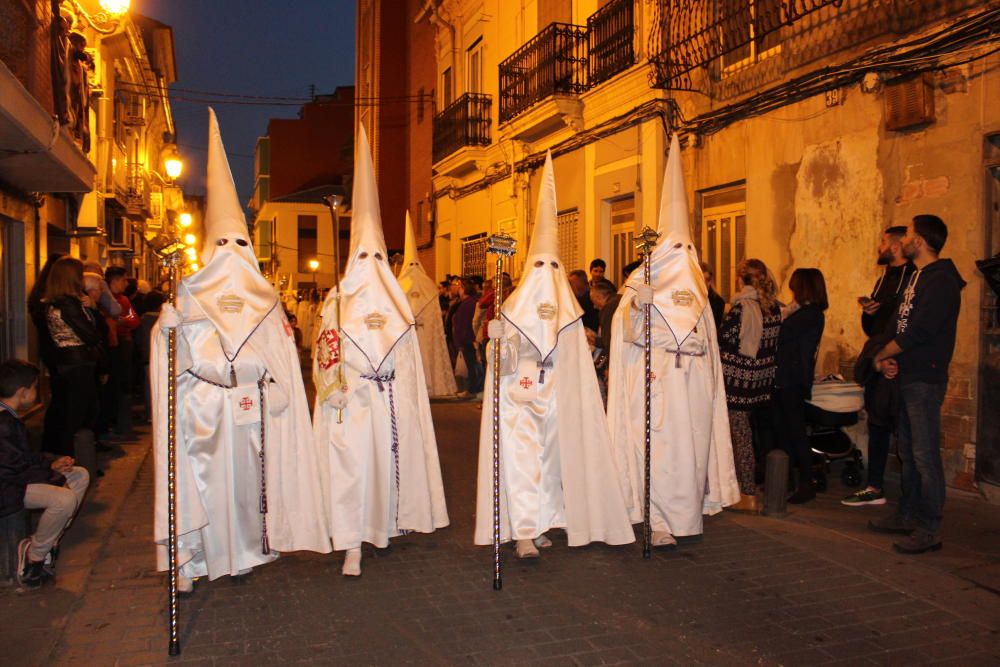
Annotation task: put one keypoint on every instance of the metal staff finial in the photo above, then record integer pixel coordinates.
(502, 246)
(171, 255)
(334, 202)
(646, 241)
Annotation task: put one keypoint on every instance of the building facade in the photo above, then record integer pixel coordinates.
(807, 128)
(85, 131)
(298, 163)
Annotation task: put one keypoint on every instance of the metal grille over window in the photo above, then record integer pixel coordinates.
(622, 236)
(474, 255)
(570, 237)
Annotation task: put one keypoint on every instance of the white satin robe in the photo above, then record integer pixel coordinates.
(307, 314)
(692, 471)
(439, 374)
(360, 464)
(219, 524)
(556, 467)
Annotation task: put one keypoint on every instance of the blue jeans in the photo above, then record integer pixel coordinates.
(919, 441)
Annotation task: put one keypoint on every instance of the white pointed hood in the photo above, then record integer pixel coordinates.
(680, 294)
(418, 287)
(374, 309)
(229, 288)
(543, 303)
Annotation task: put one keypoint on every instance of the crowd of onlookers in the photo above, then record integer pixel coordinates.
(93, 327)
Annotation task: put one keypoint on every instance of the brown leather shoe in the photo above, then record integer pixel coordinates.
(918, 542)
(746, 504)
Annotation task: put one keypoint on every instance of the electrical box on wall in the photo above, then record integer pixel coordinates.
(909, 102)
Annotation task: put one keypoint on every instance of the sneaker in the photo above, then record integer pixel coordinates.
(918, 542)
(868, 496)
(29, 575)
(49, 564)
(893, 524)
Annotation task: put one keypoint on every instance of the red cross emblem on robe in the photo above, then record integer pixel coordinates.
(525, 382)
(246, 404)
(328, 349)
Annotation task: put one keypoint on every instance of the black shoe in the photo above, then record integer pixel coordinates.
(49, 564)
(918, 542)
(892, 524)
(29, 575)
(802, 496)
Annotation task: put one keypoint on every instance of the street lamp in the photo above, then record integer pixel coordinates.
(115, 7)
(185, 220)
(173, 166)
(190, 239)
(191, 253)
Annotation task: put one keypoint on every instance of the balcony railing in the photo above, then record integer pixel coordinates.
(554, 61)
(610, 33)
(464, 122)
(694, 33)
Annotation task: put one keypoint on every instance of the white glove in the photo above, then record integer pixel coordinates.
(277, 399)
(495, 329)
(644, 295)
(337, 400)
(169, 317)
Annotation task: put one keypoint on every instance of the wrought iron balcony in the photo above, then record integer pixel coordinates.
(694, 33)
(554, 61)
(464, 122)
(610, 34)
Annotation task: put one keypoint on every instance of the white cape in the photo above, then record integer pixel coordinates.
(692, 470)
(556, 466)
(218, 477)
(365, 504)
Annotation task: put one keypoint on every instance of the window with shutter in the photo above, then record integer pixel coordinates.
(720, 235)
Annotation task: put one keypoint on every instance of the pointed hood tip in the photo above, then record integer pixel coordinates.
(673, 220)
(366, 216)
(224, 215)
(545, 236)
(410, 252)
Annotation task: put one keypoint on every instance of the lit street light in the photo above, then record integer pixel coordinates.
(190, 239)
(185, 220)
(115, 7)
(174, 167)
(314, 267)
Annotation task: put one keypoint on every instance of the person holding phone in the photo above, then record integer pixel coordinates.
(878, 317)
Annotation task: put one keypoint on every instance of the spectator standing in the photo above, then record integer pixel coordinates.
(78, 355)
(598, 267)
(919, 355)
(581, 288)
(801, 330)
(715, 300)
(122, 355)
(29, 480)
(748, 338)
(465, 339)
(153, 303)
(605, 298)
(454, 299)
(878, 317)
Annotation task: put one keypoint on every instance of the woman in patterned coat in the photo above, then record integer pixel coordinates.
(747, 342)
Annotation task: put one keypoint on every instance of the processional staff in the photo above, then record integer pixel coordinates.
(333, 202)
(502, 246)
(171, 254)
(645, 244)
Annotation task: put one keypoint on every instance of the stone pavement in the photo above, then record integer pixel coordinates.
(812, 588)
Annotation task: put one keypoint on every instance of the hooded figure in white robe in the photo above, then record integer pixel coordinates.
(556, 468)
(384, 474)
(692, 469)
(247, 475)
(422, 293)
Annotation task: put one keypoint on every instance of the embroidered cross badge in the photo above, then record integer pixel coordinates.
(652, 377)
(525, 382)
(328, 349)
(246, 403)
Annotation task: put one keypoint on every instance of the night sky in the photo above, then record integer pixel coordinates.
(249, 47)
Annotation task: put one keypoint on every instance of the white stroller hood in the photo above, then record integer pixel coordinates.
(834, 394)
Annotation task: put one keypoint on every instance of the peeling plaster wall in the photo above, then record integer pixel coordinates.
(838, 220)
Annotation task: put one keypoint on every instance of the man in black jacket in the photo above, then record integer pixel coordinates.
(33, 481)
(878, 318)
(919, 356)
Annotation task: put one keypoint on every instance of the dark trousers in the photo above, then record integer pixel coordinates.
(122, 370)
(919, 440)
(73, 407)
(878, 453)
(790, 411)
(474, 381)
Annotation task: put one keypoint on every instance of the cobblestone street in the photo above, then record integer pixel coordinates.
(808, 589)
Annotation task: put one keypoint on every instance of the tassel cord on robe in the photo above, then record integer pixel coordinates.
(265, 545)
(385, 381)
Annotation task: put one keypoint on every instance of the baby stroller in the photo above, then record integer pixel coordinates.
(835, 403)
